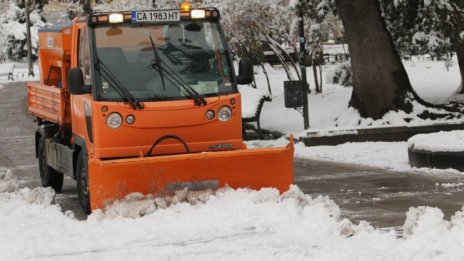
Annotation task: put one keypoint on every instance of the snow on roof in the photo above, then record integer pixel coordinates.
(56, 27)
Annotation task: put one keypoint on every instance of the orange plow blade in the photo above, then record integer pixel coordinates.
(111, 180)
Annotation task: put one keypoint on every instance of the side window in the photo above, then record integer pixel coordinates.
(84, 55)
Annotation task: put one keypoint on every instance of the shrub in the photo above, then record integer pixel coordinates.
(341, 75)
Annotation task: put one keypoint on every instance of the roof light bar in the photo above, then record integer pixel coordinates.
(116, 18)
(198, 14)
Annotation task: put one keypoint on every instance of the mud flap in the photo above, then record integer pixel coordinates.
(111, 180)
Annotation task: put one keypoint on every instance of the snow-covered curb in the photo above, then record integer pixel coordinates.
(449, 141)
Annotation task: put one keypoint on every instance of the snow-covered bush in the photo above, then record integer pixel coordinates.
(315, 14)
(13, 33)
(425, 27)
(246, 24)
(341, 74)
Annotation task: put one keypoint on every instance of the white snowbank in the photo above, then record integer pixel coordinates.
(444, 141)
(387, 155)
(9, 190)
(230, 225)
(451, 185)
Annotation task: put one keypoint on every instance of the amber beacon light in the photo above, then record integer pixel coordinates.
(185, 6)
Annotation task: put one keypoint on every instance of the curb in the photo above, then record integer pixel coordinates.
(439, 160)
(386, 134)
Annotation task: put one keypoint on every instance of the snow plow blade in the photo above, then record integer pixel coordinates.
(111, 180)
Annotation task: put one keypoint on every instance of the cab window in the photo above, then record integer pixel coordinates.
(84, 55)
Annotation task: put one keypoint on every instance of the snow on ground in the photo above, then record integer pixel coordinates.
(444, 141)
(387, 155)
(229, 225)
(431, 80)
(19, 70)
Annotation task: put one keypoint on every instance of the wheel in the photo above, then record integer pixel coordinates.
(48, 176)
(82, 177)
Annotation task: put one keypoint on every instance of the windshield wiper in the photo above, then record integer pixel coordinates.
(156, 64)
(159, 65)
(117, 85)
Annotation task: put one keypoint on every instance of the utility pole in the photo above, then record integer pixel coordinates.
(304, 83)
(28, 37)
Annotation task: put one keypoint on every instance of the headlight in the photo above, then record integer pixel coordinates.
(114, 120)
(225, 113)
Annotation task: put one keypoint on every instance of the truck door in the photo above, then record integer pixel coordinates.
(81, 105)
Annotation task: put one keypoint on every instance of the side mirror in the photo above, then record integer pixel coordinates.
(245, 71)
(76, 84)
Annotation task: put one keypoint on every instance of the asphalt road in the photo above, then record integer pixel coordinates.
(379, 196)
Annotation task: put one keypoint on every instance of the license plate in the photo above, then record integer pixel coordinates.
(155, 16)
(194, 185)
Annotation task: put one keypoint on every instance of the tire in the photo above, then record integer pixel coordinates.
(82, 178)
(48, 176)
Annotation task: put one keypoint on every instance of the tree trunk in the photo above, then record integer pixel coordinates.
(380, 82)
(28, 38)
(460, 55)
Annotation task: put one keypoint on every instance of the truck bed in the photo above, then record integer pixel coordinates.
(49, 103)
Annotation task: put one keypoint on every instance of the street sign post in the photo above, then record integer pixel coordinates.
(302, 56)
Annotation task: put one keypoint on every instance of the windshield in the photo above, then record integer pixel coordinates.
(191, 50)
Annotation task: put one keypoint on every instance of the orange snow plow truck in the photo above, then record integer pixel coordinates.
(145, 101)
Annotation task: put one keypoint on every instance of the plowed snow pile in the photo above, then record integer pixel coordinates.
(224, 225)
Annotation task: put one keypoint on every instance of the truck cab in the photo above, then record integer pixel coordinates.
(149, 75)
